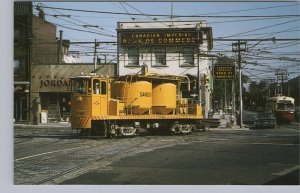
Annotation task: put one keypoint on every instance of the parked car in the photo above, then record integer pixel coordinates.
(248, 118)
(265, 120)
(259, 109)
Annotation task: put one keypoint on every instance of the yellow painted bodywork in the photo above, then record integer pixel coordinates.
(80, 109)
(130, 102)
(137, 96)
(116, 108)
(164, 98)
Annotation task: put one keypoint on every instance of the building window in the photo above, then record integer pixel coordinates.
(17, 36)
(17, 67)
(186, 56)
(145, 55)
(133, 56)
(160, 56)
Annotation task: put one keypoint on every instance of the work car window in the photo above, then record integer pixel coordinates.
(81, 86)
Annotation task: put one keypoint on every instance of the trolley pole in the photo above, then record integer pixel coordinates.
(238, 49)
(95, 56)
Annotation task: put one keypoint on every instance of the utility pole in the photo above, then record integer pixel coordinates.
(233, 98)
(282, 75)
(225, 96)
(199, 79)
(198, 67)
(236, 47)
(59, 46)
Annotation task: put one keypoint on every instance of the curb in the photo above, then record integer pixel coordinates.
(44, 125)
(229, 129)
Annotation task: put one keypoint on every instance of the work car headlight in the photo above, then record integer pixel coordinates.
(79, 99)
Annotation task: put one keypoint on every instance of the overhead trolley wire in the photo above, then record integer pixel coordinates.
(70, 17)
(128, 13)
(278, 32)
(246, 20)
(289, 44)
(83, 30)
(174, 16)
(155, 19)
(253, 9)
(257, 29)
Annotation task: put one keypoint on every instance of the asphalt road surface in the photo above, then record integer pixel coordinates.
(216, 157)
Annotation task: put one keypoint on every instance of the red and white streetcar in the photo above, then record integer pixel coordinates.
(283, 108)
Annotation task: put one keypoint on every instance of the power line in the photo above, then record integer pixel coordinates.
(289, 45)
(277, 32)
(69, 16)
(155, 19)
(253, 9)
(245, 20)
(84, 30)
(241, 33)
(127, 12)
(164, 15)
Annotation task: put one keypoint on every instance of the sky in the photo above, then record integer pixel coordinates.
(233, 20)
(268, 59)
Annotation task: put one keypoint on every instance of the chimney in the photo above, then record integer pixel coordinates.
(40, 9)
(41, 15)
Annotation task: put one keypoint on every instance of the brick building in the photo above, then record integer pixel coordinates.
(44, 45)
(41, 77)
(34, 43)
(22, 59)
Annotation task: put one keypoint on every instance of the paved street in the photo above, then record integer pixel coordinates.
(217, 157)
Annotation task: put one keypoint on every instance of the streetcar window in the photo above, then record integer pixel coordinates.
(289, 107)
(81, 86)
(96, 86)
(103, 87)
(282, 106)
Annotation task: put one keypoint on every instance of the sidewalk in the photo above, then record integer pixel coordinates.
(233, 128)
(225, 123)
(43, 125)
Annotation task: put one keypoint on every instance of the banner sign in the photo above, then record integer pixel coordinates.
(224, 72)
(170, 37)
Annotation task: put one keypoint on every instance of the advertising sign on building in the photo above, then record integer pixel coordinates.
(159, 37)
(224, 72)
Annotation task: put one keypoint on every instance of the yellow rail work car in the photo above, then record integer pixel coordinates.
(123, 105)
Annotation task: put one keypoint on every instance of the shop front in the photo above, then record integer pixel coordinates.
(51, 91)
(21, 93)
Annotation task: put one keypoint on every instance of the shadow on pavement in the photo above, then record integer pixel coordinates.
(291, 178)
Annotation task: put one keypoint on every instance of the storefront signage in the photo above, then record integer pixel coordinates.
(158, 38)
(225, 72)
(54, 83)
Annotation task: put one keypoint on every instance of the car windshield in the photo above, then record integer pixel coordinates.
(265, 115)
(250, 116)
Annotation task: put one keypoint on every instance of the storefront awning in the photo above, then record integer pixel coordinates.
(21, 83)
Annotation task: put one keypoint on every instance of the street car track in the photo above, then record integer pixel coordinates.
(86, 166)
(117, 147)
(58, 153)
